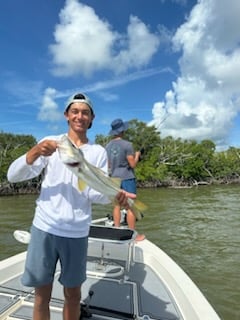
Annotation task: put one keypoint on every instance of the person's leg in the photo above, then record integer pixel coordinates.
(39, 271)
(73, 258)
(116, 216)
(130, 186)
(131, 220)
(41, 303)
(71, 309)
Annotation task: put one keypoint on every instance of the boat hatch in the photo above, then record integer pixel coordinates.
(25, 312)
(110, 297)
(7, 302)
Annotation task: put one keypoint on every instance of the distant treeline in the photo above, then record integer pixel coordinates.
(165, 162)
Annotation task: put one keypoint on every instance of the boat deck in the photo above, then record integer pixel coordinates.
(102, 297)
(118, 285)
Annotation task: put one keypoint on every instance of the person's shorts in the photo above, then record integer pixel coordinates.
(129, 185)
(45, 250)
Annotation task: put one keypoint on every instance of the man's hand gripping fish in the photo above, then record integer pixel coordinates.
(92, 176)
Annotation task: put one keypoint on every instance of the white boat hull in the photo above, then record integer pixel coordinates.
(125, 280)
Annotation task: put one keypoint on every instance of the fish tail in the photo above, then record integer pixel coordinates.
(138, 207)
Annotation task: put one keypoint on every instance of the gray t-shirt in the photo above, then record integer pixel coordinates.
(117, 151)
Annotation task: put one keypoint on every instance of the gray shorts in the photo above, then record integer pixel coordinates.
(45, 250)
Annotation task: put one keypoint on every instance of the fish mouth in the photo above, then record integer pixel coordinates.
(73, 164)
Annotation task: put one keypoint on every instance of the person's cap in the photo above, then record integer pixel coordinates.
(79, 97)
(118, 126)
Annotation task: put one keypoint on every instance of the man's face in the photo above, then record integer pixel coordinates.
(79, 116)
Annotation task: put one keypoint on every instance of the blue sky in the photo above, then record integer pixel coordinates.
(174, 64)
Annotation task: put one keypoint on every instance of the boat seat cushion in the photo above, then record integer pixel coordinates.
(109, 233)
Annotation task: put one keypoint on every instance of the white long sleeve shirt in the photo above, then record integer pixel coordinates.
(61, 209)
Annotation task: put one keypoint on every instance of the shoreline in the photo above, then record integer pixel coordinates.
(9, 189)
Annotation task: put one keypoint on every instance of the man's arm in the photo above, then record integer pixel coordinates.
(30, 165)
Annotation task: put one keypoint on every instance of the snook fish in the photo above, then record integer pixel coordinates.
(89, 175)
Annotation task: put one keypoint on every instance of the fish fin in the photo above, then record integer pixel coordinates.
(81, 184)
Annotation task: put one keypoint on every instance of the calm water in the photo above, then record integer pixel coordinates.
(199, 228)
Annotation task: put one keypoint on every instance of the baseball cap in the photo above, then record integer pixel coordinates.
(79, 97)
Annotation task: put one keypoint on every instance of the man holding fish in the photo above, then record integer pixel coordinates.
(63, 209)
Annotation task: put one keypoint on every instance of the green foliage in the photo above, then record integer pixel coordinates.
(11, 147)
(167, 159)
(226, 165)
(164, 160)
(142, 136)
(102, 140)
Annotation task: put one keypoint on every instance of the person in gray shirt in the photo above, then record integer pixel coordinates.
(121, 161)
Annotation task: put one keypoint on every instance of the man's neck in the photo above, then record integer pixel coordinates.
(119, 136)
(78, 139)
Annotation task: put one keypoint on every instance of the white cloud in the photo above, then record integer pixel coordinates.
(139, 47)
(49, 108)
(85, 44)
(204, 100)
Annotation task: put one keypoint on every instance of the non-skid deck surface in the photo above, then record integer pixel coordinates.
(153, 299)
(116, 288)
